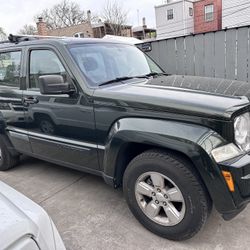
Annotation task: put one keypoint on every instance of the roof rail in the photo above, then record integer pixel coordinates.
(5, 41)
(21, 38)
(38, 36)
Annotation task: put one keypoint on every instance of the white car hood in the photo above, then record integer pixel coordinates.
(20, 217)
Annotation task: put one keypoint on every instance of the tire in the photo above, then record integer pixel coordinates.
(7, 161)
(183, 203)
(46, 125)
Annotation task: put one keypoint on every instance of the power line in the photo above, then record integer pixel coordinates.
(236, 11)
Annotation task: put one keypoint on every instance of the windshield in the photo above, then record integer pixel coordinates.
(104, 62)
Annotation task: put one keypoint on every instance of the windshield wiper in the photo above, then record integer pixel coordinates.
(117, 79)
(155, 74)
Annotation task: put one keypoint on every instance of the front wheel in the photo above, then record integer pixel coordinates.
(165, 195)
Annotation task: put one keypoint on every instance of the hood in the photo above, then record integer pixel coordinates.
(210, 85)
(164, 94)
(19, 217)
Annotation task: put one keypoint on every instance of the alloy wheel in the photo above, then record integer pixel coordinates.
(160, 199)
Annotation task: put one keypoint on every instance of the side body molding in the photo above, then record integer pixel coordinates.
(194, 141)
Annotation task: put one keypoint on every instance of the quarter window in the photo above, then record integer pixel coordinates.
(209, 12)
(170, 14)
(44, 62)
(10, 64)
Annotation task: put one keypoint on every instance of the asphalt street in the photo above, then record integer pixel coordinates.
(91, 215)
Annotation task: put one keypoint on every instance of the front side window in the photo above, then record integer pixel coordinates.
(209, 12)
(103, 62)
(44, 62)
(170, 14)
(10, 64)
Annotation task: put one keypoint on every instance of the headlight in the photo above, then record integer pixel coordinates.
(226, 152)
(242, 131)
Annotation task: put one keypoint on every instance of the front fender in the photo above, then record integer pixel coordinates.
(194, 141)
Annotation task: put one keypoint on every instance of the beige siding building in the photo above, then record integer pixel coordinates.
(235, 13)
(83, 30)
(174, 18)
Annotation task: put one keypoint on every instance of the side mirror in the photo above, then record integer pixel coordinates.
(54, 85)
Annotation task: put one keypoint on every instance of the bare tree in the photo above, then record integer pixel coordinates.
(64, 14)
(28, 30)
(115, 15)
(2, 34)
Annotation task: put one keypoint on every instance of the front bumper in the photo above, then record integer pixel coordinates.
(240, 171)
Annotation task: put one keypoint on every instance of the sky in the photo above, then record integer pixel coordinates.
(14, 14)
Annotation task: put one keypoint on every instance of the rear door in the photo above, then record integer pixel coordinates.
(60, 127)
(11, 107)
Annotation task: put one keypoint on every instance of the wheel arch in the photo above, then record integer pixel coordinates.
(131, 150)
(130, 137)
(39, 115)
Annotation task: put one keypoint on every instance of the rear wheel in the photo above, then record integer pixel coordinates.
(165, 195)
(7, 161)
(46, 125)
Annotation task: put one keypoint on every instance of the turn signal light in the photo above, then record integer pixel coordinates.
(229, 180)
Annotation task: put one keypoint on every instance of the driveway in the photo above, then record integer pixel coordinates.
(91, 215)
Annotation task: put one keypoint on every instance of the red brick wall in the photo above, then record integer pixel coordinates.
(200, 25)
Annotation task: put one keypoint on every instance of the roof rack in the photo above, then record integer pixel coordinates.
(21, 38)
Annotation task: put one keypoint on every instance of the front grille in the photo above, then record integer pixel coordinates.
(244, 185)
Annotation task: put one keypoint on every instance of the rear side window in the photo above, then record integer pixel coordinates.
(10, 65)
(44, 62)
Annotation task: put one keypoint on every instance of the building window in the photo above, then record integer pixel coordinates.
(209, 12)
(170, 14)
(191, 12)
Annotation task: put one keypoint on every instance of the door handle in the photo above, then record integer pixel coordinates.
(30, 100)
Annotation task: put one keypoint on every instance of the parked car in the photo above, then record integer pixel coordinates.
(24, 225)
(106, 108)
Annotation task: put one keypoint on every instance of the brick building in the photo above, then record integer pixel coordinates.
(102, 29)
(83, 30)
(207, 16)
(79, 30)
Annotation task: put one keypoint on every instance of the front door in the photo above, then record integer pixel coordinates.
(60, 127)
(11, 107)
